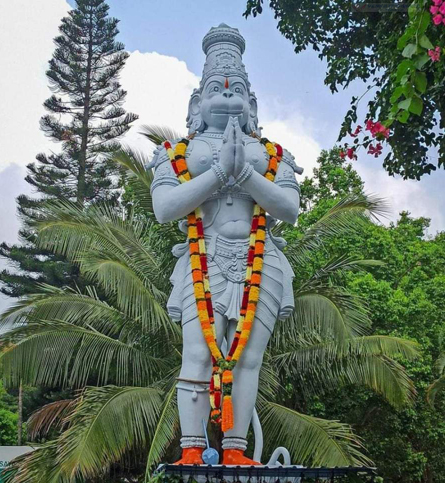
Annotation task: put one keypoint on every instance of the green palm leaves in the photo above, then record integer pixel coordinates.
(115, 342)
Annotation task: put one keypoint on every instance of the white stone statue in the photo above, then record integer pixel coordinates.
(227, 162)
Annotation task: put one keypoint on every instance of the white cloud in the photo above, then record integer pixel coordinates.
(27, 29)
(159, 89)
(420, 198)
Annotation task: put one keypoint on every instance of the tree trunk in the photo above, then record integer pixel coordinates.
(81, 180)
(20, 420)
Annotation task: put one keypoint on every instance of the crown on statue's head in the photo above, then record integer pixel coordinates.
(223, 47)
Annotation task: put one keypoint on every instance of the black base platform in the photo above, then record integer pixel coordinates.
(284, 473)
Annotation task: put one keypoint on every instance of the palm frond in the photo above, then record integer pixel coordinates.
(107, 423)
(52, 353)
(340, 265)
(347, 215)
(159, 134)
(326, 311)
(40, 466)
(112, 251)
(438, 386)
(138, 178)
(166, 429)
(312, 441)
(364, 361)
(50, 416)
(68, 305)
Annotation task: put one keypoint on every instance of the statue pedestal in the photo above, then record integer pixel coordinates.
(292, 473)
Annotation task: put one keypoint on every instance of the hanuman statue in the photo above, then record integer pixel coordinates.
(231, 282)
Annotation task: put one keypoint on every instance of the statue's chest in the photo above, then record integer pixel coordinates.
(201, 154)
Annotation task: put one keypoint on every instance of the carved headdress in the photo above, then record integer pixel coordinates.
(223, 47)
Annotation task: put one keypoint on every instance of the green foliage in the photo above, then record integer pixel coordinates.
(384, 46)
(8, 428)
(404, 297)
(124, 339)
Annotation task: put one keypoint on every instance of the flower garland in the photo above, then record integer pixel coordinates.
(222, 376)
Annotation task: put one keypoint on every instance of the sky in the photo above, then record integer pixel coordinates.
(164, 38)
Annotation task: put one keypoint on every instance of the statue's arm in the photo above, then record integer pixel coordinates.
(280, 199)
(172, 200)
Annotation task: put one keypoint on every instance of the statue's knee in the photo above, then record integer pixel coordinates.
(251, 360)
(196, 362)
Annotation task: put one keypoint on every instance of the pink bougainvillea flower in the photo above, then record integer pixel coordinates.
(434, 10)
(437, 19)
(369, 124)
(442, 9)
(351, 153)
(377, 129)
(342, 154)
(434, 54)
(375, 150)
(437, 2)
(356, 132)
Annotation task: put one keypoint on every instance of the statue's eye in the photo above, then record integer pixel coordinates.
(216, 89)
(238, 90)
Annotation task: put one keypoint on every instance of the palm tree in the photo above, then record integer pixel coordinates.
(115, 346)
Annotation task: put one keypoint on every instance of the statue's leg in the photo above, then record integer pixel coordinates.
(244, 393)
(193, 397)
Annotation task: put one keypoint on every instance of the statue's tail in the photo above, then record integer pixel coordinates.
(258, 451)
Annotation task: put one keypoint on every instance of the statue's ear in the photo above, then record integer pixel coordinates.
(194, 119)
(252, 124)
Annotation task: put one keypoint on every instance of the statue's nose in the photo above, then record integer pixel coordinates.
(227, 93)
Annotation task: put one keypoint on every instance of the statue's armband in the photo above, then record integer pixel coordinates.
(164, 174)
(286, 172)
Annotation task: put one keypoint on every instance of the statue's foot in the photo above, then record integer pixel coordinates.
(236, 457)
(191, 456)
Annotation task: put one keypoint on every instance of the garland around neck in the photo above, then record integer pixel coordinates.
(222, 376)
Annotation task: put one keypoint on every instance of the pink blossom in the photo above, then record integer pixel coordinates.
(437, 19)
(377, 129)
(356, 132)
(442, 9)
(342, 154)
(375, 150)
(437, 2)
(434, 54)
(351, 154)
(434, 10)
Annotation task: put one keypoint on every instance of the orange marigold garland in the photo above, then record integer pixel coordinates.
(222, 376)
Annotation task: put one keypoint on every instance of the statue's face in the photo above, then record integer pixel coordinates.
(222, 97)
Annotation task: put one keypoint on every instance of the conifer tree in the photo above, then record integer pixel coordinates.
(86, 117)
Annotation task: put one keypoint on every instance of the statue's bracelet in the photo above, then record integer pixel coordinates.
(245, 174)
(220, 174)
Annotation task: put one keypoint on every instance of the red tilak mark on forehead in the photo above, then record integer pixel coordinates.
(226, 84)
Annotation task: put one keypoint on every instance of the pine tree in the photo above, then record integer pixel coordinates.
(85, 115)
